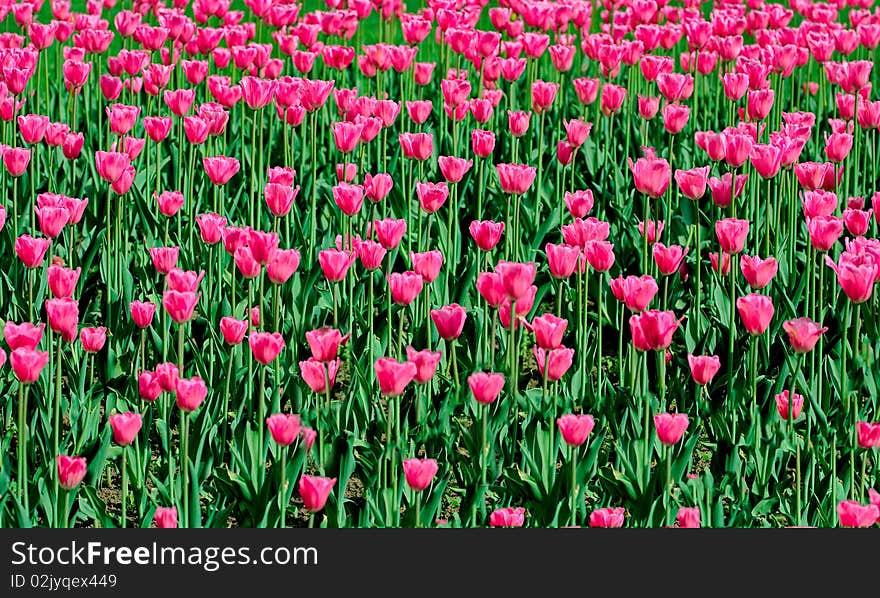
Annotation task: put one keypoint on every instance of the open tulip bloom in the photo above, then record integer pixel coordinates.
(363, 263)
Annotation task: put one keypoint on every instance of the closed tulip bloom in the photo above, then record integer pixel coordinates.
(486, 386)
(724, 191)
(692, 183)
(190, 392)
(784, 402)
(220, 169)
(757, 272)
(63, 316)
(324, 343)
(732, 233)
(507, 517)
(16, 160)
(164, 258)
(27, 364)
(857, 221)
(562, 259)
(670, 427)
(93, 339)
(651, 230)
(71, 471)
(449, 320)
(170, 202)
(607, 517)
(855, 279)
(389, 232)
(579, 203)
(803, 333)
(211, 227)
(142, 312)
(688, 517)
(180, 306)
(490, 288)
(549, 330)
(724, 267)
(668, 259)
(167, 373)
(419, 473)
(838, 146)
(425, 361)
(453, 168)
(279, 198)
(819, 203)
(245, 262)
(315, 491)
(755, 311)
(284, 428)
(125, 427)
(265, 346)
(165, 517)
(486, 233)
(758, 103)
(262, 244)
(515, 179)
(371, 254)
(377, 187)
(432, 196)
(393, 376)
(853, 514)
(233, 330)
(651, 175)
(703, 367)
(577, 131)
(24, 335)
(317, 374)
(516, 278)
(52, 220)
(575, 428)
(766, 159)
(111, 166)
(482, 143)
(282, 265)
(648, 107)
(349, 198)
(868, 434)
(652, 330)
(675, 118)
(637, 292)
(553, 362)
(30, 250)
(184, 280)
(404, 286)
(599, 254)
(346, 135)
(427, 264)
(149, 388)
(824, 232)
(62, 281)
(335, 263)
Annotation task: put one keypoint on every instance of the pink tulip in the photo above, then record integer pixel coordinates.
(607, 517)
(703, 368)
(803, 333)
(393, 376)
(507, 517)
(651, 175)
(553, 362)
(785, 402)
(425, 361)
(757, 272)
(315, 491)
(125, 427)
(670, 427)
(575, 428)
(853, 514)
(688, 517)
(868, 434)
(71, 471)
(265, 346)
(486, 386)
(419, 473)
(652, 330)
(755, 311)
(284, 428)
